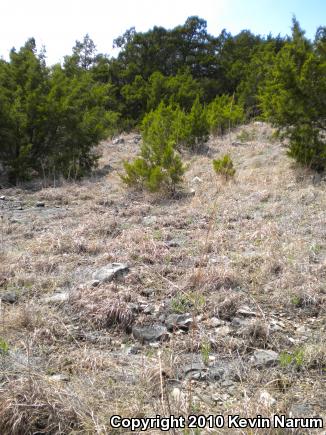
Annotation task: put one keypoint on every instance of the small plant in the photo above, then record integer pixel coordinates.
(296, 300)
(224, 167)
(296, 359)
(205, 351)
(159, 166)
(4, 347)
(181, 304)
(185, 302)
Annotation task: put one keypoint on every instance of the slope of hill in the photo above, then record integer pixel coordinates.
(218, 307)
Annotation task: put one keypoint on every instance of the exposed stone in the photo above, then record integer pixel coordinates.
(134, 350)
(220, 398)
(40, 204)
(9, 298)
(265, 358)
(245, 312)
(301, 410)
(149, 309)
(17, 360)
(225, 371)
(195, 370)
(149, 220)
(179, 321)
(137, 138)
(215, 322)
(57, 298)
(178, 396)
(266, 399)
(317, 178)
(196, 180)
(110, 272)
(60, 378)
(172, 243)
(147, 291)
(148, 334)
(239, 323)
(118, 141)
(227, 383)
(223, 331)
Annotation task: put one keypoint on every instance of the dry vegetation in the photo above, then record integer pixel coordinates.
(246, 258)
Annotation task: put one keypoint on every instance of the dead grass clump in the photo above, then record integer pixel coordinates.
(209, 281)
(29, 406)
(20, 317)
(227, 305)
(119, 314)
(102, 307)
(308, 300)
(107, 228)
(257, 333)
(314, 356)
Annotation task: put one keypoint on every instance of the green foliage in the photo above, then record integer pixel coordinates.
(159, 167)
(296, 359)
(180, 89)
(255, 73)
(198, 126)
(223, 113)
(170, 124)
(181, 304)
(185, 302)
(83, 56)
(224, 167)
(205, 350)
(164, 129)
(294, 99)
(177, 85)
(50, 120)
(4, 347)
(135, 98)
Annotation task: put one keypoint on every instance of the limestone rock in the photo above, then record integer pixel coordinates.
(149, 334)
(179, 321)
(9, 298)
(110, 272)
(265, 358)
(57, 298)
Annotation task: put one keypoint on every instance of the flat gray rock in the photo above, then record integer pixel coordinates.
(60, 377)
(196, 370)
(149, 220)
(179, 321)
(225, 371)
(301, 410)
(265, 358)
(110, 272)
(57, 298)
(9, 298)
(150, 334)
(118, 141)
(245, 312)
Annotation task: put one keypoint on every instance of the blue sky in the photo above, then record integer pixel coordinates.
(57, 24)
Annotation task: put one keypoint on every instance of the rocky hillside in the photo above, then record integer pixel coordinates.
(117, 302)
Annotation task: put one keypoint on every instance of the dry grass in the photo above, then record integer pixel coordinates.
(258, 241)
